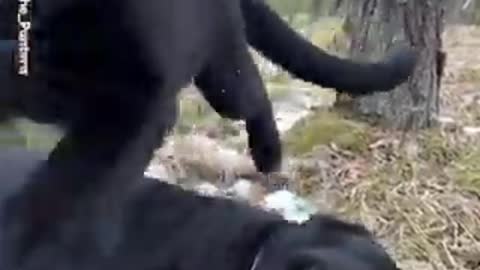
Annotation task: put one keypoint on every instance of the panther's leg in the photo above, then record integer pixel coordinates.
(100, 155)
(235, 90)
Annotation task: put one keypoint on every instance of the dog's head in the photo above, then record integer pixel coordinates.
(323, 243)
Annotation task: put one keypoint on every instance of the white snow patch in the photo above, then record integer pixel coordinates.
(157, 171)
(241, 189)
(289, 205)
(207, 189)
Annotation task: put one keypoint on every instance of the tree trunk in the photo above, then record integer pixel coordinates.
(377, 24)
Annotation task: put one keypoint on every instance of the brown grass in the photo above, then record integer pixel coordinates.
(422, 198)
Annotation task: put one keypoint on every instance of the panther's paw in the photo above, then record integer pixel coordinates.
(265, 145)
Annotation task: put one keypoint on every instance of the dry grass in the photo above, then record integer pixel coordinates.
(424, 220)
(422, 199)
(424, 209)
(423, 214)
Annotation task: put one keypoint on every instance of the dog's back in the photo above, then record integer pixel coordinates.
(154, 222)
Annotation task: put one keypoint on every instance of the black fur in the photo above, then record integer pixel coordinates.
(109, 72)
(276, 41)
(72, 54)
(86, 64)
(160, 226)
(272, 36)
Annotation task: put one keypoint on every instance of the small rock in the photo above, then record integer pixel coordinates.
(447, 123)
(471, 131)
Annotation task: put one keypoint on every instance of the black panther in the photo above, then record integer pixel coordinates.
(72, 52)
(161, 226)
(274, 39)
(109, 73)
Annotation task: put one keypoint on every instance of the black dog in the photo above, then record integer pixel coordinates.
(160, 226)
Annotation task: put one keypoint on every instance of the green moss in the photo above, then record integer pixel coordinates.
(327, 30)
(10, 135)
(40, 137)
(281, 78)
(467, 171)
(300, 20)
(323, 128)
(197, 113)
(461, 160)
(437, 149)
(278, 91)
(193, 112)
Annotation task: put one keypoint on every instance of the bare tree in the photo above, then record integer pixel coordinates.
(376, 25)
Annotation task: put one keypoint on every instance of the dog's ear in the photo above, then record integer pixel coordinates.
(328, 223)
(325, 259)
(328, 259)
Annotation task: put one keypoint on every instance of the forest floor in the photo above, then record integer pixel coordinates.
(419, 192)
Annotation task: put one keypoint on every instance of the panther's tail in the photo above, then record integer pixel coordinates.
(270, 35)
